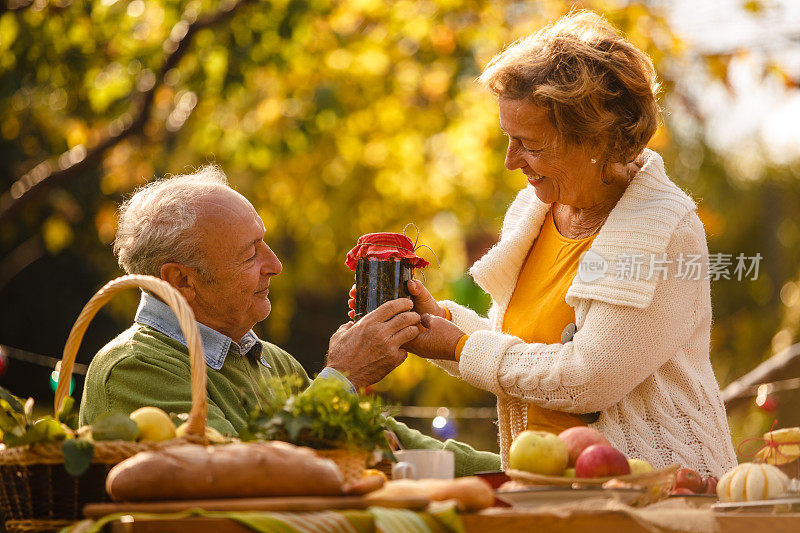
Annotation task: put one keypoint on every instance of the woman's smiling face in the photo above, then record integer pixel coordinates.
(559, 172)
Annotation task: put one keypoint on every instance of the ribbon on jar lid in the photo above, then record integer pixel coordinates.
(384, 247)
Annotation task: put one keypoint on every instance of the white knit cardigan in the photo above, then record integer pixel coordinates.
(641, 352)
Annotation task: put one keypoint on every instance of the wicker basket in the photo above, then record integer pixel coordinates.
(385, 466)
(351, 464)
(657, 484)
(36, 493)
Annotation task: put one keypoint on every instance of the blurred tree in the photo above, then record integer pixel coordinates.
(335, 118)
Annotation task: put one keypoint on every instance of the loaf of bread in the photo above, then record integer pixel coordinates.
(371, 481)
(471, 493)
(191, 471)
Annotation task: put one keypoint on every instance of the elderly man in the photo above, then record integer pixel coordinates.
(207, 241)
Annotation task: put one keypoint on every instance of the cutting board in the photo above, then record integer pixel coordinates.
(282, 503)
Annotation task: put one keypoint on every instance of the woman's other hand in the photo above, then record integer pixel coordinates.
(438, 339)
(424, 303)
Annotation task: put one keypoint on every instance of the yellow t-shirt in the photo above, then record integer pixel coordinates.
(537, 311)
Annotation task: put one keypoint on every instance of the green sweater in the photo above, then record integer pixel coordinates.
(145, 367)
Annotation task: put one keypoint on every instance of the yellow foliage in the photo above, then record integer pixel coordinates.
(77, 133)
(57, 234)
(105, 221)
(334, 118)
(10, 128)
(9, 29)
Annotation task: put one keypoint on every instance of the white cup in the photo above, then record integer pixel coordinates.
(423, 464)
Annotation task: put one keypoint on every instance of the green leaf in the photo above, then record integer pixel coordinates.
(325, 415)
(78, 455)
(7, 422)
(72, 421)
(297, 424)
(178, 418)
(16, 437)
(11, 399)
(66, 408)
(48, 429)
(114, 426)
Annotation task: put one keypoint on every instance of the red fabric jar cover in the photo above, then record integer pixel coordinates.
(382, 247)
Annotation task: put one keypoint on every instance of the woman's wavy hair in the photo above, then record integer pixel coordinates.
(595, 84)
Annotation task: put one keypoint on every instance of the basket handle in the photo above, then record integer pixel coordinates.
(179, 305)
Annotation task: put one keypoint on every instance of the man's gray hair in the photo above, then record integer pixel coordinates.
(156, 222)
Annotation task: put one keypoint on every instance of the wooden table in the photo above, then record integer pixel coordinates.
(618, 522)
(498, 521)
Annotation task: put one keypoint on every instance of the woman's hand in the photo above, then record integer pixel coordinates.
(438, 339)
(423, 301)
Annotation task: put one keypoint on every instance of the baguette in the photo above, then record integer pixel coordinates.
(471, 493)
(238, 470)
(368, 483)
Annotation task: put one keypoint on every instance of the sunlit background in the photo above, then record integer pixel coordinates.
(339, 118)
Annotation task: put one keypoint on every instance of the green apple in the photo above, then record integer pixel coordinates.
(538, 452)
(569, 472)
(639, 467)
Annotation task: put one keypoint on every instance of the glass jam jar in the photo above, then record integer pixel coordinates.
(384, 263)
(378, 282)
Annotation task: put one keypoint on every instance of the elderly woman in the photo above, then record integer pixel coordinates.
(596, 318)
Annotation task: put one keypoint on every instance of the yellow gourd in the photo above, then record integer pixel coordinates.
(783, 453)
(751, 482)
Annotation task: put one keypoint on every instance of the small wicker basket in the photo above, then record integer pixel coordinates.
(351, 464)
(36, 493)
(657, 484)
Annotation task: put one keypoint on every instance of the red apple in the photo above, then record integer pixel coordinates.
(578, 439)
(689, 479)
(601, 460)
(710, 485)
(680, 491)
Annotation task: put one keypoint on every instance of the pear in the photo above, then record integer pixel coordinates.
(639, 466)
(154, 424)
(213, 436)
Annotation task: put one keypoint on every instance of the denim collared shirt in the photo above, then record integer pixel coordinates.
(216, 346)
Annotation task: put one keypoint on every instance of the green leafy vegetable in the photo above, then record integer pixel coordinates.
(324, 416)
(19, 428)
(66, 415)
(7, 419)
(49, 429)
(78, 455)
(12, 400)
(114, 426)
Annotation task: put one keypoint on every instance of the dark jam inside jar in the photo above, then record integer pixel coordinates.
(377, 282)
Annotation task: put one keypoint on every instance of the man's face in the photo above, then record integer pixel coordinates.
(239, 262)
